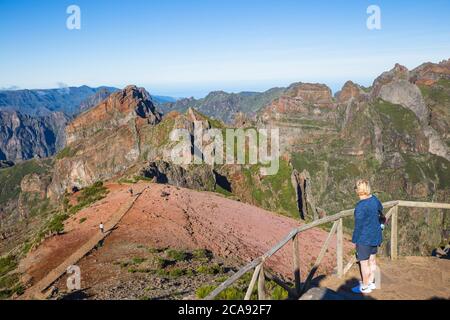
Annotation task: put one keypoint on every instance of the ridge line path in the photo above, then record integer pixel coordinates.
(35, 292)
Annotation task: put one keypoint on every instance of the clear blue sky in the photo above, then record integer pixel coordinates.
(190, 47)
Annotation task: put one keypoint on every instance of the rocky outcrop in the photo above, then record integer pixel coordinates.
(301, 182)
(117, 110)
(104, 141)
(350, 92)
(195, 177)
(35, 183)
(315, 94)
(430, 73)
(396, 87)
(23, 137)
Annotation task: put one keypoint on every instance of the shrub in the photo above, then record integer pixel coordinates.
(227, 294)
(67, 152)
(7, 264)
(163, 263)
(214, 269)
(178, 255)
(138, 260)
(89, 196)
(202, 254)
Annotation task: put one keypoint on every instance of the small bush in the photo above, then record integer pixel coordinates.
(227, 294)
(56, 224)
(214, 269)
(138, 260)
(177, 255)
(202, 254)
(7, 264)
(89, 196)
(83, 220)
(163, 263)
(67, 152)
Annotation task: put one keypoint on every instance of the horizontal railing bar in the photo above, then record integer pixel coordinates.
(417, 204)
(337, 216)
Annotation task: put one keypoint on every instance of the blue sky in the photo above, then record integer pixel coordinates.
(184, 48)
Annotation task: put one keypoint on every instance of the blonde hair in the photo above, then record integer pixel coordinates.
(362, 187)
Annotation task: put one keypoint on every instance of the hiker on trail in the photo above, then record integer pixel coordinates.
(367, 235)
(102, 227)
(131, 191)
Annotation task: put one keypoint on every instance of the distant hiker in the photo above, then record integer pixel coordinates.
(367, 235)
(131, 191)
(102, 227)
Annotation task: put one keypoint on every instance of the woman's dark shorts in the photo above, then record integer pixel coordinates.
(363, 252)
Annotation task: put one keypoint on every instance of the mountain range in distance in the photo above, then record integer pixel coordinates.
(32, 122)
(68, 100)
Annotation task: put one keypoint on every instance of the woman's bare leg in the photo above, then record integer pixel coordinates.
(365, 272)
(373, 267)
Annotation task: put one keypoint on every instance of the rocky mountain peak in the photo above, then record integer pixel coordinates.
(314, 93)
(430, 73)
(349, 91)
(131, 103)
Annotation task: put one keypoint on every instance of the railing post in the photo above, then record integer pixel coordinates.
(262, 283)
(394, 233)
(296, 263)
(248, 294)
(340, 248)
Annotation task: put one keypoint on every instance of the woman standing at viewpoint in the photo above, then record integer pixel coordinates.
(367, 235)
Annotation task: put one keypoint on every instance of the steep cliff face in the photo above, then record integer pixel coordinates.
(397, 87)
(303, 113)
(104, 140)
(394, 133)
(33, 121)
(24, 137)
(130, 104)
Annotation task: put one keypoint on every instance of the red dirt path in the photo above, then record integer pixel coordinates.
(184, 219)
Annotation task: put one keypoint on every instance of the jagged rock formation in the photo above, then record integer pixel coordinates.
(301, 183)
(105, 140)
(33, 121)
(396, 87)
(23, 137)
(394, 133)
(124, 106)
(195, 177)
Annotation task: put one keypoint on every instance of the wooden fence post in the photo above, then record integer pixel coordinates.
(296, 262)
(262, 283)
(340, 248)
(248, 294)
(394, 233)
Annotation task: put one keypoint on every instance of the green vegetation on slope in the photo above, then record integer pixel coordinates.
(402, 119)
(10, 178)
(67, 152)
